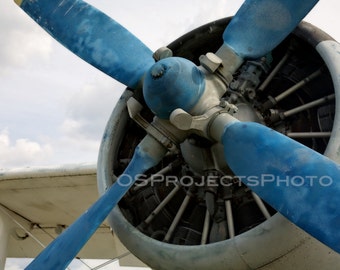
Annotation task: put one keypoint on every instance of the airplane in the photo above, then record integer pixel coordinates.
(224, 225)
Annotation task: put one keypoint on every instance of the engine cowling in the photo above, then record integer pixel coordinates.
(190, 212)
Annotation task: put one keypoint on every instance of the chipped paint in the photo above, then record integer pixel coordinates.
(300, 183)
(18, 2)
(94, 37)
(329, 51)
(261, 25)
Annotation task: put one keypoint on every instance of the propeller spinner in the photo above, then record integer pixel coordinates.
(186, 99)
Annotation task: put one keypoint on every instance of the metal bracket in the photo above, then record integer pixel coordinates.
(214, 65)
(201, 123)
(134, 109)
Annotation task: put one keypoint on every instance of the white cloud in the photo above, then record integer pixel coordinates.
(86, 113)
(89, 109)
(22, 151)
(21, 47)
(22, 41)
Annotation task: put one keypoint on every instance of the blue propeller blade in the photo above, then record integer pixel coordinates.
(300, 183)
(63, 249)
(260, 25)
(93, 36)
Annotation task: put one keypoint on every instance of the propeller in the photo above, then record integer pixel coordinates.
(259, 26)
(298, 182)
(256, 29)
(93, 36)
(63, 249)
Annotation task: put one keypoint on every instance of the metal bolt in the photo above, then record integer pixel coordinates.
(161, 53)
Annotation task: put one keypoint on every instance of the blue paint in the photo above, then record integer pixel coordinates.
(260, 25)
(94, 37)
(61, 251)
(280, 171)
(173, 83)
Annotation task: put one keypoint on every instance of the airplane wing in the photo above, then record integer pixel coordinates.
(38, 203)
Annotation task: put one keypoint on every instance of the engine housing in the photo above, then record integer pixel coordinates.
(259, 242)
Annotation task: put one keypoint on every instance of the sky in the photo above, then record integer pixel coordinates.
(54, 106)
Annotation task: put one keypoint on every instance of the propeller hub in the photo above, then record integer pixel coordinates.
(158, 71)
(173, 83)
